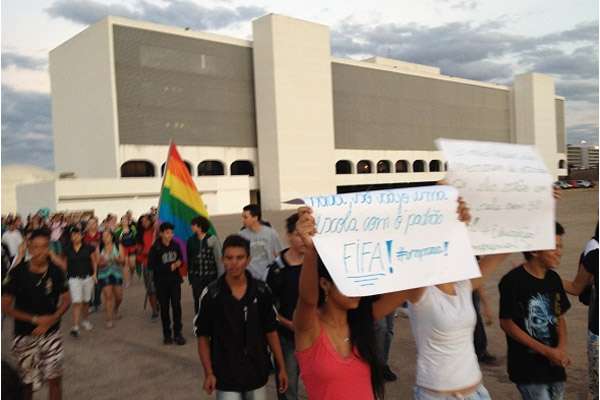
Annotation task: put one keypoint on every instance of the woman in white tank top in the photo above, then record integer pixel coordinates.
(442, 320)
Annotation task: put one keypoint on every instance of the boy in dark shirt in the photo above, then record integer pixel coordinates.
(235, 322)
(204, 258)
(165, 259)
(36, 294)
(283, 278)
(532, 304)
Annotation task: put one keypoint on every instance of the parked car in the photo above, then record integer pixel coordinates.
(562, 185)
(584, 183)
(581, 183)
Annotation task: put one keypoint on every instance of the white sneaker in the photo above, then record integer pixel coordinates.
(75, 331)
(87, 325)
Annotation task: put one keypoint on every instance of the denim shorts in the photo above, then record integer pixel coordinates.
(110, 280)
(542, 391)
(420, 393)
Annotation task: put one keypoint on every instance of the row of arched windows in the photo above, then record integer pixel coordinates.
(144, 168)
(343, 167)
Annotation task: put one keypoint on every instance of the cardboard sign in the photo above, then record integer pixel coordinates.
(390, 240)
(509, 192)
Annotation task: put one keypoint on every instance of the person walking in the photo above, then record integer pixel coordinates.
(587, 275)
(532, 307)
(204, 258)
(165, 259)
(126, 235)
(235, 324)
(264, 241)
(12, 238)
(80, 262)
(283, 278)
(145, 239)
(110, 277)
(93, 237)
(35, 294)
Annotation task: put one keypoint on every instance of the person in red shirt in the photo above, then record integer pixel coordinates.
(93, 237)
(145, 240)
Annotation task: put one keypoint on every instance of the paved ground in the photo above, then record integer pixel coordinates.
(130, 362)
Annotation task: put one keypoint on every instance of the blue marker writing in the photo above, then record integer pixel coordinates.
(388, 244)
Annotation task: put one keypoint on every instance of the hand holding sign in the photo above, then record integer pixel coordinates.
(391, 240)
(306, 226)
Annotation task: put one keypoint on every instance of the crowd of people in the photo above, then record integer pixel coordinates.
(262, 308)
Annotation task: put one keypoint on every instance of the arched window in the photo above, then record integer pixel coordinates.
(419, 166)
(384, 167)
(137, 169)
(435, 166)
(562, 164)
(364, 167)
(402, 166)
(211, 167)
(343, 167)
(242, 167)
(164, 165)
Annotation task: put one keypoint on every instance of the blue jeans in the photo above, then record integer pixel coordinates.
(422, 394)
(258, 394)
(291, 365)
(542, 391)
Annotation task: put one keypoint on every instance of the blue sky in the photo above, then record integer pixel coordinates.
(482, 40)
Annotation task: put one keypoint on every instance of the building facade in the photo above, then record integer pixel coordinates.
(276, 118)
(582, 156)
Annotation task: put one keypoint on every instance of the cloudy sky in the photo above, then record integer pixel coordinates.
(482, 40)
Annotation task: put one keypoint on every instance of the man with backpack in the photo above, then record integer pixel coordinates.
(204, 258)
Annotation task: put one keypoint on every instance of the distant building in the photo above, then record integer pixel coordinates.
(582, 156)
(17, 174)
(273, 119)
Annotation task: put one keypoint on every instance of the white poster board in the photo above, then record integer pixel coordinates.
(389, 240)
(509, 192)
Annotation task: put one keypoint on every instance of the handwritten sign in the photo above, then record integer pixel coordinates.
(389, 240)
(509, 192)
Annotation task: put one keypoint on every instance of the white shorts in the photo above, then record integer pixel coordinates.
(81, 289)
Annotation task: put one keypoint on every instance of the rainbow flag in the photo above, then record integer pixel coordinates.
(180, 201)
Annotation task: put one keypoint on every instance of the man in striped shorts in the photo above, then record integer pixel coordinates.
(36, 294)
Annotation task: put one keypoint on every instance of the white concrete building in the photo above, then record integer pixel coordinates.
(270, 119)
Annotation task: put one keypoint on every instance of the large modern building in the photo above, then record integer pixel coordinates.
(272, 119)
(582, 156)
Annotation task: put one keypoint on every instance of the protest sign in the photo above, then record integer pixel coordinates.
(389, 240)
(509, 192)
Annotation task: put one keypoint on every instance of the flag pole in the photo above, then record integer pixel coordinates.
(171, 142)
(159, 201)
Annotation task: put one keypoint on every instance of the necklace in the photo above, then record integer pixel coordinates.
(42, 278)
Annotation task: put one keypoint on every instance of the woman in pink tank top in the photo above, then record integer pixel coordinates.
(334, 333)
